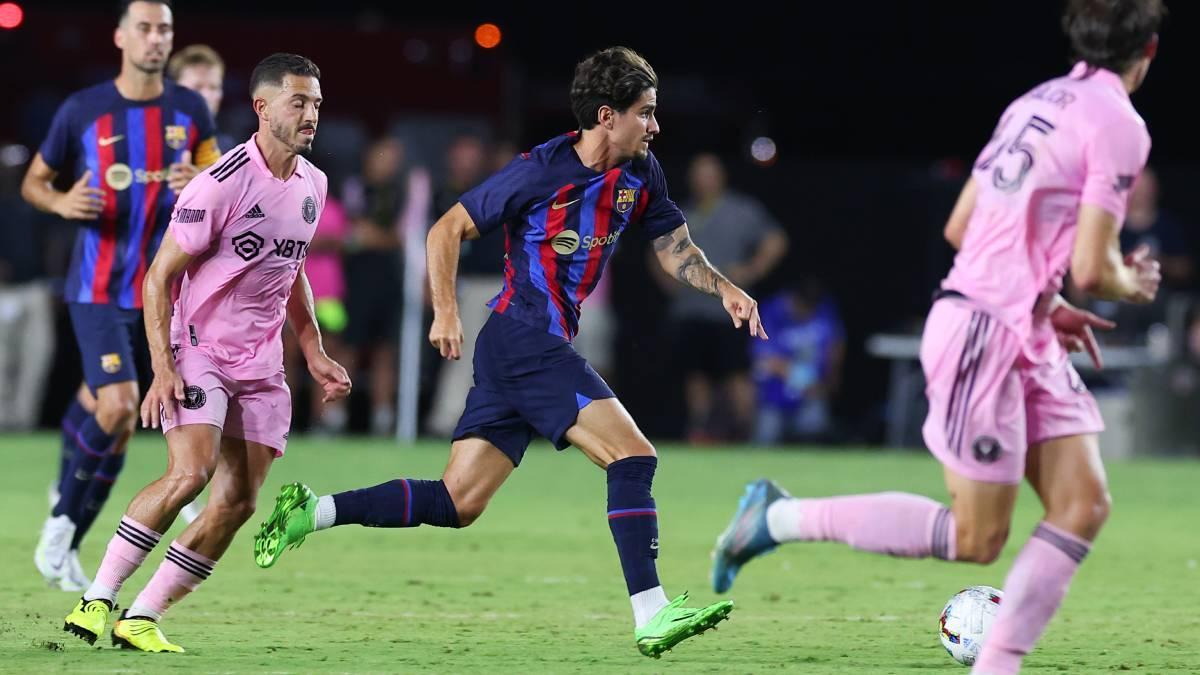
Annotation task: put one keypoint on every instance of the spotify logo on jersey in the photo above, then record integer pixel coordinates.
(118, 176)
(565, 242)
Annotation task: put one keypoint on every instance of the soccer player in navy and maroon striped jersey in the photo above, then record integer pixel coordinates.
(127, 146)
(563, 207)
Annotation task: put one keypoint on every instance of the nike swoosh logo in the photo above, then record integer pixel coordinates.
(556, 206)
(105, 142)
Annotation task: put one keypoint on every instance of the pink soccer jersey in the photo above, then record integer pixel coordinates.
(249, 232)
(1072, 140)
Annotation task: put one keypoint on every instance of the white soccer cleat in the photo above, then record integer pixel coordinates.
(75, 580)
(53, 547)
(191, 511)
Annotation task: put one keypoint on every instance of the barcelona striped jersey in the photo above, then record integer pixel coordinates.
(129, 147)
(561, 224)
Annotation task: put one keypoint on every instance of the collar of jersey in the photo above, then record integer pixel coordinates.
(259, 161)
(1107, 77)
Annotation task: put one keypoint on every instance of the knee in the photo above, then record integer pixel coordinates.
(116, 413)
(184, 484)
(980, 542)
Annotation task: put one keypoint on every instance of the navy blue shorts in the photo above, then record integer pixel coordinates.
(106, 335)
(527, 382)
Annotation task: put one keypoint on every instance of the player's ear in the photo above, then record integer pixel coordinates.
(260, 107)
(1152, 47)
(605, 116)
(118, 37)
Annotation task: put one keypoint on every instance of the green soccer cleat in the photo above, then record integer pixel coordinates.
(88, 619)
(294, 518)
(675, 623)
(141, 634)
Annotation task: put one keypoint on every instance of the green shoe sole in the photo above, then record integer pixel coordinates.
(270, 540)
(713, 615)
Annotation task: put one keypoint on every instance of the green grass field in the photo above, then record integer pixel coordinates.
(535, 585)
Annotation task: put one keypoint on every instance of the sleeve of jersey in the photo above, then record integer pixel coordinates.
(55, 148)
(1115, 157)
(200, 215)
(661, 215)
(206, 153)
(501, 197)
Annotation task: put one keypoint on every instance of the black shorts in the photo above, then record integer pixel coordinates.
(714, 348)
(374, 298)
(527, 382)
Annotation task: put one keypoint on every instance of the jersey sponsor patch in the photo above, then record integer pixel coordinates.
(185, 216)
(247, 245)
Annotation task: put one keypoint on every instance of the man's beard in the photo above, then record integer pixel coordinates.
(284, 136)
(148, 69)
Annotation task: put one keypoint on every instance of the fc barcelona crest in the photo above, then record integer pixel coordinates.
(625, 199)
(176, 136)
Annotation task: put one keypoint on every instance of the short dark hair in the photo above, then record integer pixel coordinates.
(1111, 34)
(615, 77)
(272, 69)
(123, 7)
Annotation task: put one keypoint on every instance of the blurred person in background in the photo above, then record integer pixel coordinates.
(375, 204)
(323, 266)
(479, 275)
(123, 149)
(799, 370)
(26, 302)
(740, 237)
(201, 69)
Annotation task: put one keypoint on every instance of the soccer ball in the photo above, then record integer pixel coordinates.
(965, 622)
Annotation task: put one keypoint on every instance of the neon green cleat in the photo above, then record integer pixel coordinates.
(88, 619)
(293, 519)
(141, 634)
(675, 623)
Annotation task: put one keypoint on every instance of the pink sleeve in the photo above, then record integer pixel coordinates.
(200, 214)
(1115, 156)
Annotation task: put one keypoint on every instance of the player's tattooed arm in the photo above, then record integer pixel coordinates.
(682, 259)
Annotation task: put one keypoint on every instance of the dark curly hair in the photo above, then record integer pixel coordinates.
(1111, 34)
(613, 77)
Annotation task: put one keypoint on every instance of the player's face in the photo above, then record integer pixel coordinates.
(146, 35)
(293, 110)
(206, 81)
(634, 129)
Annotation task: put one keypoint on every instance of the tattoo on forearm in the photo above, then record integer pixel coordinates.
(696, 272)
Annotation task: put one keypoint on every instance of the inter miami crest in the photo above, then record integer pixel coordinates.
(194, 397)
(309, 210)
(986, 449)
(247, 245)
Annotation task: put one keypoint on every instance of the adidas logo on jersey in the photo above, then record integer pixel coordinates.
(255, 212)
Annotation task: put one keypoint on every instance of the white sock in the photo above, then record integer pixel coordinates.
(646, 604)
(783, 520)
(137, 610)
(99, 591)
(326, 512)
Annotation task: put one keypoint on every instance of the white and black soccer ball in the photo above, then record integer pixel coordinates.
(965, 621)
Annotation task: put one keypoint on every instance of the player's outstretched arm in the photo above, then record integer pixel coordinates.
(81, 202)
(302, 315)
(1097, 266)
(956, 224)
(167, 387)
(441, 250)
(682, 259)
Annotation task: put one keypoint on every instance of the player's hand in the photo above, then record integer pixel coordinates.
(1148, 275)
(181, 172)
(1073, 326)
(81, 202)
(165, 391)
(446, 335)
(742, 309)
(333, 378)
